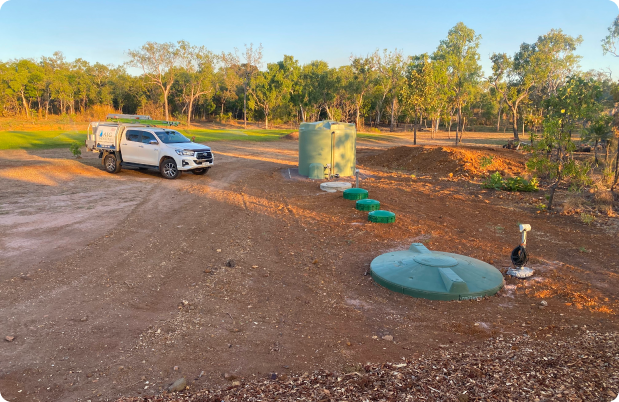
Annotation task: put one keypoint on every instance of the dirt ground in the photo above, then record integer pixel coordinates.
(118, 285)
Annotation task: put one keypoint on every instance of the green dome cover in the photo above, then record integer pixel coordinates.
(435, 275)
(355, 194)
(368, 205)
(381, 217)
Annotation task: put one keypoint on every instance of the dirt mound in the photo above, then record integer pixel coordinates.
(292, 136)
(446, 160)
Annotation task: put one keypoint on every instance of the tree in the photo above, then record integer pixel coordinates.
(609, 44)
(227, 83)
(269, 89)
(198, 66)
(513, 78)
(391, 67)
(461, 59)
(574, 104)
(158, 62)
(364, 79)
(252, 61)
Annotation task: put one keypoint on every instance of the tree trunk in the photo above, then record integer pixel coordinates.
(414, 134)
(245, 105)
(498, 121)
(266, 119)
(515, 123)
(616, 180)
(189, 109)
(302, 113)
(165, 102)
(328, 112)
(458, 127)
(392, 128)
(551, 198)
(23, 99)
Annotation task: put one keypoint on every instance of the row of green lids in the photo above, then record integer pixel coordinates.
(366, 204)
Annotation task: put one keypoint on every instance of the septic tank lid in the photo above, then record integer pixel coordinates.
(333, 186)
(435, 275)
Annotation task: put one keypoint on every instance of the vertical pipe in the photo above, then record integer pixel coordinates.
(332, 154)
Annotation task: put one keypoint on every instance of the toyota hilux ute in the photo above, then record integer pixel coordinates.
(135, 141)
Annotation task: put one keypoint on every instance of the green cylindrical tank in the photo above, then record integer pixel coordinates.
(328, 143)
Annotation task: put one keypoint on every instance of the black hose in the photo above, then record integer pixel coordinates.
(519, 257)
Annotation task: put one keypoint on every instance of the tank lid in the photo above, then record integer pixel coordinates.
(355, 194)
(435, 275)
(381, 216)
(325, 124)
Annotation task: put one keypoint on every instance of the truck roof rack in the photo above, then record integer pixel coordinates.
(139, 119)
(128, 116)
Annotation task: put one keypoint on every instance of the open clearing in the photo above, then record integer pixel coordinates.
(117, 285)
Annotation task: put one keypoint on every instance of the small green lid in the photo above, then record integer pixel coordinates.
(368, 205)
(381, 217)
(355, 194)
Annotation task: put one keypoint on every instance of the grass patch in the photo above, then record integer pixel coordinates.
(39, 139)
(64, 139)
(375, 137)
(210, 135)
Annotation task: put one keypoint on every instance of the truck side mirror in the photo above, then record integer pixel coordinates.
(153, 142)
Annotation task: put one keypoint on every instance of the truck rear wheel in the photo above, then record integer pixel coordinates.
(168, 169)
(200, 172)
(111, 163)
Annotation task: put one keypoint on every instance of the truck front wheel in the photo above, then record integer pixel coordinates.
(111, 163)
(168, 169)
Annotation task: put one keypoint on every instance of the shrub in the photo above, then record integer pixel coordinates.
(495, 181)
(587, 218)
(75, 149)
(486, 161)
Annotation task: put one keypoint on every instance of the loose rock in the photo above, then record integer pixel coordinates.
(178, 385)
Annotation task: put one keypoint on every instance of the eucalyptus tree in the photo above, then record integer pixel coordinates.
(197, 74)
(362, 82)
(247, 66)
(21, 79)
(158, 62)
(227, 83)
(514, 78)
(269, 89)
(391, 67)
(609, 43)
(459, 54)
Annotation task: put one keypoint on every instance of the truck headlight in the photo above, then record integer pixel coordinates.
(184, 152)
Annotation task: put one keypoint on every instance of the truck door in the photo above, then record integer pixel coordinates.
(149, 153)
(130, 146)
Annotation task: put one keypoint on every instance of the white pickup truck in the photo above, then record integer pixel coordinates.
(134, 141)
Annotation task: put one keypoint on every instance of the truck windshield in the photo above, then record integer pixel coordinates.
(171, 137)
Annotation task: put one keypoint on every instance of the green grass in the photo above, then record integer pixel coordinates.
(63, 139)
(39, 139)
(207, 135)
(375, 137)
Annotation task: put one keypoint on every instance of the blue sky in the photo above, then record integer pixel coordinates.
(309, 30)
